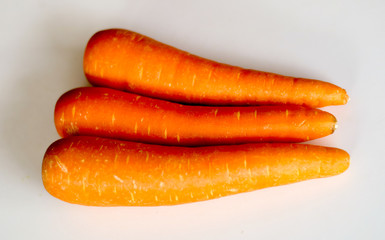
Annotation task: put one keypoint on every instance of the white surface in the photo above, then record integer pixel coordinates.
(343, 42)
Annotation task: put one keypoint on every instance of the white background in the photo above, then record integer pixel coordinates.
(343, 42)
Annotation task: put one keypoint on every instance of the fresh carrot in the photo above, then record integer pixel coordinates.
(108, 172)
(116, 114)
(129, 61)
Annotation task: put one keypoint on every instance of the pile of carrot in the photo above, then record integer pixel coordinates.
(161, 126)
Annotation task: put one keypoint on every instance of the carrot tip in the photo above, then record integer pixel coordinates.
(334, 127)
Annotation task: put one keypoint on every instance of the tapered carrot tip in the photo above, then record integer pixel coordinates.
(126, 60)
(105, 172)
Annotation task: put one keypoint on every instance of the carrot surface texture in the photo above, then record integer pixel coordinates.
(116, 114)
(129, 61)
(108, 172)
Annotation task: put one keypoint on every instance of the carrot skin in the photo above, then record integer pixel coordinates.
(116, 114)
(107, 172)
(129, 61)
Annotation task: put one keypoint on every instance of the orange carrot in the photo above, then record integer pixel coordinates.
(116, 114)
(129, 61)
(108, 172)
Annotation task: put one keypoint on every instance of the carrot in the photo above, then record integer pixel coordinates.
(116, 114)
(108, 172)
(129, 61)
